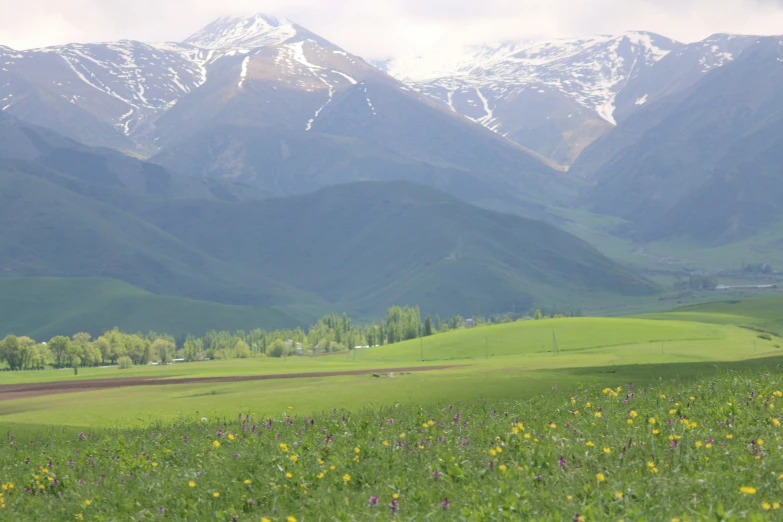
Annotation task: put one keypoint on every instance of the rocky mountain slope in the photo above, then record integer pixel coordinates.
(556, 97)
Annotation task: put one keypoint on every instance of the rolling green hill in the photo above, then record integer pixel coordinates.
(762, 313)
(365, 246)
(42, 307)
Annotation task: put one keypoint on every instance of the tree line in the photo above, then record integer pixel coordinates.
(331, 333)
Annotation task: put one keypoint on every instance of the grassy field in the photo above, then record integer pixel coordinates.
(765, 313)
(512, 360)
(669, 416)
(703, 449)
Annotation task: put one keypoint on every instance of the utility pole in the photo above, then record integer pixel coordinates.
(421, 348)
(486, 347)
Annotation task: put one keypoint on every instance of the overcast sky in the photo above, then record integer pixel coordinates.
(380, 28)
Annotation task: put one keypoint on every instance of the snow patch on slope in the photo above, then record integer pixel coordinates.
(243, 74)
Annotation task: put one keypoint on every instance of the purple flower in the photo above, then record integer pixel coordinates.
(81, 435)
(554, 388)
(562, 461)
(673, 444)
(161, 509)
(394, 505)
(457, 417)
(436, 474)
(373, 501)
(491, 464)
(445, 503)
(251, 502)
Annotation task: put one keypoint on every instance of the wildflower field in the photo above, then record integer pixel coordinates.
(707, 449)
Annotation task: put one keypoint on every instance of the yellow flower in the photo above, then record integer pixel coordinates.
(357, 450)
(607, 450)
(192, 484)
(492, 452)
(589, 444)
(598, 414)
(651, 420)
(650, 464)
(527, 435)
(766, 506)
(588, 405)
(672, 411)
(748, 490)
(569, 498)
(663, 396)
(498, 449)
(215, 494)
(520, 426)
(693, 398)
(216, 443)
(431, 422)
(729, 436)
(332, 467)
(346, 478)
(708, 445)
(402, 435)
(552, 425)
(760, 442)
(629, 421)
(654, 470)
(776, 505)
(633, 413)
(247, 481)
(265, 519)
(288, 474)
(502, 467)
(231, 436)
(395, 496)
(293, 458)
(79, 517)
(290, 519)
(284, 447)
(425, 425)
(385, 443)
(698, 444)
(515, 430)
(154, 464)
(87, 502)
(618, 494)
(600, 477)
(775, 421)
(321, 475)
(656, 431)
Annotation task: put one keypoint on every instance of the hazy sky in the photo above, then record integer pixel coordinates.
(379, 28)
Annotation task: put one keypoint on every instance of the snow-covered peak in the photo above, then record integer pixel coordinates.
(526, 53)
(233, 32)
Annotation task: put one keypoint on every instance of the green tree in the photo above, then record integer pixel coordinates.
(59, 347)
(428, 326)
(11, 352)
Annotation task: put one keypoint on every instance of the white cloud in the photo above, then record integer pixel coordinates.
(387, 27)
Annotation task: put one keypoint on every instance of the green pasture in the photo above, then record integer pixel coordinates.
(510, 360)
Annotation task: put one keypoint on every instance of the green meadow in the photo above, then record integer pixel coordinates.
(517, 360)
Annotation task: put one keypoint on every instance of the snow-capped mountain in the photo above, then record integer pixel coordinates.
(556, 97)
(113, 94)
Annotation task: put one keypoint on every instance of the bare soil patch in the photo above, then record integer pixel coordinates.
(23, 391)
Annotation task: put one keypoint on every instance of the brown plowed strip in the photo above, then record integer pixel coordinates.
(37, 389)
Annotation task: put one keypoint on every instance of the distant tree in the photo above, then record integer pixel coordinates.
(11, 352)
(277, 348)
(59, 347)
(428, 325)
(241, 349)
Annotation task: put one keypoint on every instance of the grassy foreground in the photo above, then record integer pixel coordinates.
(698, 450)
